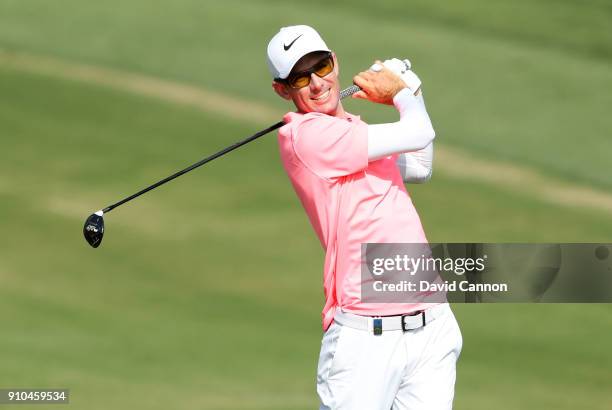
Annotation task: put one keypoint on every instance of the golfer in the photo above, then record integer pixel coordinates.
(349, 177)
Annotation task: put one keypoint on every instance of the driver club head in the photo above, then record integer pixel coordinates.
(94, 229)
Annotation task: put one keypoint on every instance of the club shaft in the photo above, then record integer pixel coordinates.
(343, 94)
(194, 166)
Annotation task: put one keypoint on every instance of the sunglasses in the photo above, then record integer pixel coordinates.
(302, 78)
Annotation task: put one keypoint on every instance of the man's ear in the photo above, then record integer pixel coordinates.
(281, 90)
(336, 66)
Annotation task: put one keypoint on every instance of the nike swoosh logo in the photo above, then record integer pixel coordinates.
(290, 44)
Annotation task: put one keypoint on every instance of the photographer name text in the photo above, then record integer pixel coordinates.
(425, 286)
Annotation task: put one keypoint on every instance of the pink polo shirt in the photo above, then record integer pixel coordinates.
(349, 201)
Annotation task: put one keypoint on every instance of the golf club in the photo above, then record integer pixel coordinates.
(93, 230)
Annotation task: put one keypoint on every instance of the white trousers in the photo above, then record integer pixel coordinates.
(395, 370)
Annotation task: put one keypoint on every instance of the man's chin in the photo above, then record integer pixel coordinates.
(328, 109)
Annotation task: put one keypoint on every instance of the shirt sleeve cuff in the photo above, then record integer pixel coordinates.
(404, 99)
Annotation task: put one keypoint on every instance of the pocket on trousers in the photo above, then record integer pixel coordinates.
(329, 347)
(449, 334)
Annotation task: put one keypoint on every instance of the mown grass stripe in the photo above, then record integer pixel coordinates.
(449, 161)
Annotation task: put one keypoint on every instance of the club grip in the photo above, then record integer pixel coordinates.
(347, 92)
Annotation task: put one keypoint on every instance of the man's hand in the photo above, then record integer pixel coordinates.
(402, 69)
(378, 86)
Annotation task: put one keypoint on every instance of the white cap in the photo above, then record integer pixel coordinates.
(289, 45)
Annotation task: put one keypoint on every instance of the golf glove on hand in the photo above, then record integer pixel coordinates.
(402, 69)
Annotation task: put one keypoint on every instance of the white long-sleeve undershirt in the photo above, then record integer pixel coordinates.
(412, 137)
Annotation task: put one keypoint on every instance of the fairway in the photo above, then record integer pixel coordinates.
(206, 293)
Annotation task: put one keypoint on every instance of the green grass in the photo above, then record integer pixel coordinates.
(207, 292)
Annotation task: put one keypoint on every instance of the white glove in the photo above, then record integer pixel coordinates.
(398, 66)
(402, 69)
